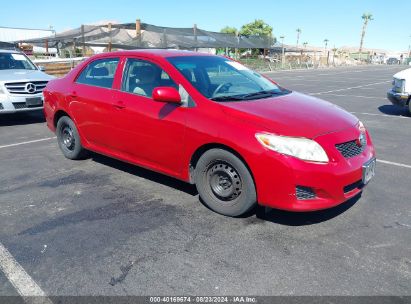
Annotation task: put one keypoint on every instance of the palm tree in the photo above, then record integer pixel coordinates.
(326, 43)
(305, 44)
(366, 17)
(298, 35)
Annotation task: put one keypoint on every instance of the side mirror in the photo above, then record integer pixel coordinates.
(42, 68)
(166, 94)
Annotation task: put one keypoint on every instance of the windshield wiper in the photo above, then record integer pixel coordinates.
(227, 98)
(260, 94)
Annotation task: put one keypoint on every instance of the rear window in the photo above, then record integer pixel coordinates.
(99, 73)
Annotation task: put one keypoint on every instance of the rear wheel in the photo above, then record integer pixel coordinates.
(224, 183)
(69, 140)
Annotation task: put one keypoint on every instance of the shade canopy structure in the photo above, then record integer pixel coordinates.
(143, 35)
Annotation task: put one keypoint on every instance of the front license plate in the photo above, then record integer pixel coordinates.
(368, 170)
(34, 101)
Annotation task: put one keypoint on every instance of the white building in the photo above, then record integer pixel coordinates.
(9, 34)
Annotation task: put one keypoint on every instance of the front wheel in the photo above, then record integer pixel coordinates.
(224, 183)
(69, 140)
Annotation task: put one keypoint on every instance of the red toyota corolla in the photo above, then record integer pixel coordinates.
(238, 136)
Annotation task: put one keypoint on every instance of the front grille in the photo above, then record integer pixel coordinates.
(357, 185)
(304, 193)
(20, 87)
(19, 105)
(350, 149)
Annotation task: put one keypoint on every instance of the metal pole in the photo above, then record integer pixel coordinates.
(195, 36)
(74, 48)
(109, 38)
(83, 41)
(47, 46)
(238, 42)
(409, 50)
(138, 31)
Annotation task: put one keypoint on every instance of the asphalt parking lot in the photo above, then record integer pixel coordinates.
(102, 227)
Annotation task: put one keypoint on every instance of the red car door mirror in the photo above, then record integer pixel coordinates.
(166, 94)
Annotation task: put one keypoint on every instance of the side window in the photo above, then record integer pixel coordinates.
(141, 77)
(99, 73)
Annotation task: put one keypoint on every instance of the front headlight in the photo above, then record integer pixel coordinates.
(303, 148)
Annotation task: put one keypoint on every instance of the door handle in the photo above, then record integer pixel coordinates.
(119, 105)
(73, 94)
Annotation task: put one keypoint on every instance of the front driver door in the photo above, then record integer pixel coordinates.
(150, 132)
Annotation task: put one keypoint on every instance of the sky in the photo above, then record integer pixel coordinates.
(338, 21)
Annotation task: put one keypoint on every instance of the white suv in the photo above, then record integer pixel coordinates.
(21, 83)
(400, 94)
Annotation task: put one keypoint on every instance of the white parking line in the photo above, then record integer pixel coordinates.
(393, 164)
(21, 280)
(350, 88)
(381, 115)
(358, 96)
(26, 142)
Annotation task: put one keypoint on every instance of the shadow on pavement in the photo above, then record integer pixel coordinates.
(22, 118)
(262, 213)
(146, 174)
(303, 218)
(393, 110)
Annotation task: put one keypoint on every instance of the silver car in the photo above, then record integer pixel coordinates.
(21, 83)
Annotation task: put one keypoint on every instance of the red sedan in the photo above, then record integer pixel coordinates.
(239, 137)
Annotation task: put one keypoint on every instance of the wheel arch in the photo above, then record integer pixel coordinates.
(206, 147)
(58, 115)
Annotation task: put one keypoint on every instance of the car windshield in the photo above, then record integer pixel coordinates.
(222, 79)
(15, 61)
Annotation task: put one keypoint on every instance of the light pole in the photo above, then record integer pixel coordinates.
(298, 35)
(409, 48)
(282, 51)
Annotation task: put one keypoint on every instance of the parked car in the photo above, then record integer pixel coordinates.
(393, 60)
(21, 83)
(400, 94)
(207, 120)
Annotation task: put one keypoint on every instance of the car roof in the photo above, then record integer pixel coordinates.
(163, 53)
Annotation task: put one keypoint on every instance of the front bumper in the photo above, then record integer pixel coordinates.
(14, 104)
(332, 183)
(399, 99)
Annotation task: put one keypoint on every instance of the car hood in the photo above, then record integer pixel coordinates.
(405, 74)
(293, 114)
(23, 75)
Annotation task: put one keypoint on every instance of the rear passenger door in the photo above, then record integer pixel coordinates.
(91, 102)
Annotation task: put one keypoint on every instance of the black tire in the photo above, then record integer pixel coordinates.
(69, 139)
(224, 183)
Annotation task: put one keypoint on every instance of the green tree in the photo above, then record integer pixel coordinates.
(366, 17)
(261, 29)
(228, 30)
(257, 28)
